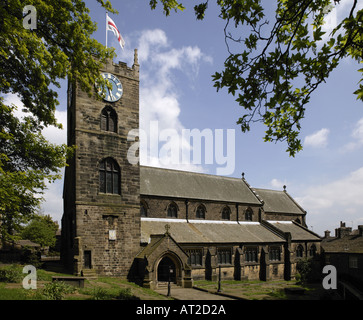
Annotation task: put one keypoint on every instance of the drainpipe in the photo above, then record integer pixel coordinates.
(186, 209)
(237, 213)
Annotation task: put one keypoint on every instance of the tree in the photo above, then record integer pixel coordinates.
(32, 61)
(273, 68)
(42, 230)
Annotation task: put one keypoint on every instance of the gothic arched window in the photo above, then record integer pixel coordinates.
(172, 210)
(201, 212)
(109, 176)
(109, 119)
(226, 213)
(143, 209)
(299, 251)
(248, 214)
(312, 250)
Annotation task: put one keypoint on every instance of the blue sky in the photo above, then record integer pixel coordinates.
(177, 57)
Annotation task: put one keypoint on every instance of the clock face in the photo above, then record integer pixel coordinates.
(114, 93)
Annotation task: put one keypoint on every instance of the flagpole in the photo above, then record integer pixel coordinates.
(106, 27)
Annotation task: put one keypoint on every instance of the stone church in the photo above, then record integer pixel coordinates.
(150, 224)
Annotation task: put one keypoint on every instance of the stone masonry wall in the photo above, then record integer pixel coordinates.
(158, 208)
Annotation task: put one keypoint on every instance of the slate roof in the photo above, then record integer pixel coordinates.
(347, 244)
(278, 202)
(191, 185)
(207, 231)
(297, 232)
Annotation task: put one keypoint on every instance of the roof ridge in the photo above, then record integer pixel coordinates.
(251, 189)
(192, 172)
(265, 189)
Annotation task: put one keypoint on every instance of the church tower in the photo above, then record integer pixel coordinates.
(101, 220)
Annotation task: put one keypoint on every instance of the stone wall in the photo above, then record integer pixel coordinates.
(157, 207)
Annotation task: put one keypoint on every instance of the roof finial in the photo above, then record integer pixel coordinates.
(243, 175)
(167, 227)
(284, 188)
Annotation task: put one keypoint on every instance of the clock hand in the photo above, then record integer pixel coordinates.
(112, 96)
(110, 93)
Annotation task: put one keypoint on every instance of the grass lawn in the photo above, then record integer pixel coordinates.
(109, 288)
(266, 290)
(105, 288)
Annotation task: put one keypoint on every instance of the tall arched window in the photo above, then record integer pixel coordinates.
(200, 214)
(248, 214)
(109, 119)
(109, 176)
(312, 250)
(299, 251)
(226, 213)
(172, 210)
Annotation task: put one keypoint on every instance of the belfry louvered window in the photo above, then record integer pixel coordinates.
(109, 119)
(109, 176)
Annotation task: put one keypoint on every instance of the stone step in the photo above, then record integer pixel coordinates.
(164, 284)
(89, 274)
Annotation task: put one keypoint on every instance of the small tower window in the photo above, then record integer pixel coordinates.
(109, 119)
(109, 176)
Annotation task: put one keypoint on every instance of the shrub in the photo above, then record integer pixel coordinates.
(110, 294)
(56, 290)
(101, 294)
(304, 268)
(125, 294)
(10, 274)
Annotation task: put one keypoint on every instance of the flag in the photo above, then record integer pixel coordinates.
(111, 26)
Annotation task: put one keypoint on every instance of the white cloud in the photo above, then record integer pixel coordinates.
(318, 139)
(336, 14)
(358, 131)
(345, 192)
(159, 91)
(339, 200)
(357, 135)
(53, 204)
(55, 135)
(277, 184)
(51, 133)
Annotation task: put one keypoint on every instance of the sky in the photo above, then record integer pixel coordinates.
(178, 56)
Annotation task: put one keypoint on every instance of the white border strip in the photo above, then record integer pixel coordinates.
(199, 221)
(276, 221)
